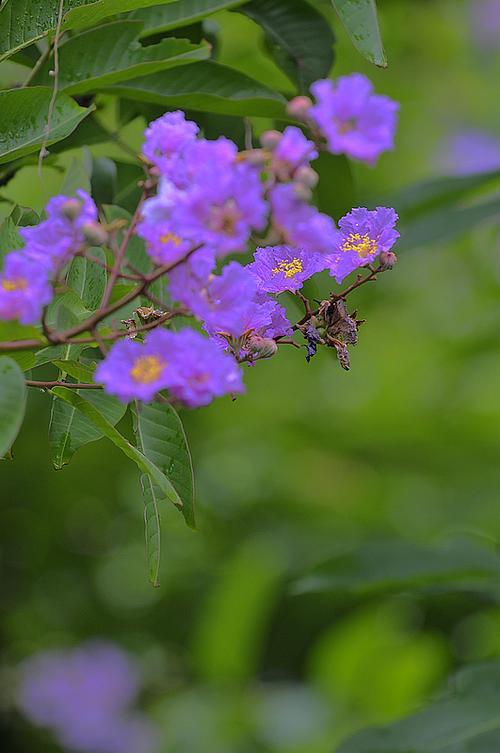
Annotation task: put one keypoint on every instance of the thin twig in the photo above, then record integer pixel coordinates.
(71, 385)
(39, 63)
(55, 89)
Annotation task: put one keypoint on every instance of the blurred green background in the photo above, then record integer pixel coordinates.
(345, 564)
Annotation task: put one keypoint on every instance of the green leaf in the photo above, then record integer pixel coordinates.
(78, 174)
(109, 54)
(335, 193)
(88, 279)
(23, 120)
(438, 192)
(152, 528)
(360, 20)
(298, 38)
(9, 237)
(79, 371)
(12, 402)
(25, 359)
(136, 252)
(104, 175)
(445, 224)
(161, 437)
(161, 18)
(209, 87)
(22, 22)
(398, 565)
(233, 620)
(465, 719)
(109, 431)
(69, 429)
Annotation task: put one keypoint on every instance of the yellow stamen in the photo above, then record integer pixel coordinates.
(171, 238)
(17, 283)
(363, 245)
(147, 369)
(290, 268)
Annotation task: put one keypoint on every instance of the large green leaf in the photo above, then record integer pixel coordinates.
(12, 402)
(69, 429)
(22, 22)
(161, 437)
(360, 20)
(23, 120)
(111, 53)
(298, 38)
(396, 565)
(109, 431)
(209, 87)
(465, 719)
(447, 223)
(161, 18)
(88, 279)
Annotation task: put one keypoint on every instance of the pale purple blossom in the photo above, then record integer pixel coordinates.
(364, 235)
(299, 223)
(166, 139)
(187, 279)
(24, 289)
(280, 268)
(467, 152)
(293, 150)
(353, 119)
(55, 240)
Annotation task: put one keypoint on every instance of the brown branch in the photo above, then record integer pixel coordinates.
(71, 385)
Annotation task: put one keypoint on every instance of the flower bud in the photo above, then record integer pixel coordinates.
(306, 176)
(298, 107)
(302, 192)
(255, 157)
(94, 234)
(387, 260)
(270, 139)
(71, 209)
(262, 347)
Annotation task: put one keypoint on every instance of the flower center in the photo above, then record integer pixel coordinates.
(362, 245)
(16, 283)
(288, 268)
(225, 218)
(171, 238)
(345, 126)
(147, 369)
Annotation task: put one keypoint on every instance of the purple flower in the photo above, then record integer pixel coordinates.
(485, 23)
(223, 302)
(364, 235)
(166, 138)
(280, 268)
(301, 224)
(353, 119)
(137, 371)
(292, 151)
(222, 209)
(162, 243)
(61, 235)
(187, 280)
(203, 371)
(83, 695)
(24, 289)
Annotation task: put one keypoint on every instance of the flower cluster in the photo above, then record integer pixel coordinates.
(203, 201)
(84, 696)
(25, 281)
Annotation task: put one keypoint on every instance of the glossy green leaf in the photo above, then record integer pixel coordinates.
(23, 120)
(209, 87)
(109, 54)
(25, 359)
(161, 437)
(12, 402)
(161, 18)
(360, 20)
(109, 431)
(78, 371)
(22, 22)
(298, 38)
(88, 279)
(136, 252)
(9, 237)
(152, 527)
(104, 175)
(69, 429)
